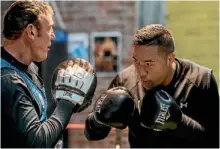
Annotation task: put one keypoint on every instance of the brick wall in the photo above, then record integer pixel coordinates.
(195, 26)
(91, 16)
(84, 16)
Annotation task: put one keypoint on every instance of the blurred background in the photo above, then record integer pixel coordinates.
(102, 31)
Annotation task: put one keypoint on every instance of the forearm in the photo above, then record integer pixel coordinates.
(189, 129)
(94, 130)
(46, 134)
(62, 113)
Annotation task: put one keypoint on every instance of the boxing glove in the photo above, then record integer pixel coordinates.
(159, 111)
(114, 108)
(75, 80)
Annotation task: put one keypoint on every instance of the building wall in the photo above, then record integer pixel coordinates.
(84, 16)
(195, 27)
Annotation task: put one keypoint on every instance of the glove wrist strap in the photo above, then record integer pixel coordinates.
(67, 95)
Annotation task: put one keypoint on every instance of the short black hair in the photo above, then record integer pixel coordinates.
(154, 34)
(20, 14)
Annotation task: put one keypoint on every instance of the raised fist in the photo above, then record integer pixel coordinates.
(114, 108)
(159, 111)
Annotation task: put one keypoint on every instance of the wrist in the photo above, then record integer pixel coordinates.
(70, 96)
(67, 105)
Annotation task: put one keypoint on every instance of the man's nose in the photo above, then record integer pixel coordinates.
(53, 37)
(142, 72)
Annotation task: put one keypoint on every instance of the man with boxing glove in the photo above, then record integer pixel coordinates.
(27, 34)
(114, 108)
(177, 100)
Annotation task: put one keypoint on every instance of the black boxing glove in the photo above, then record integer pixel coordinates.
(159, 111)
(114, 108)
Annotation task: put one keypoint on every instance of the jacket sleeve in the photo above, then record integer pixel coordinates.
(93, 130)
(210, 112)
(206, 114)
(115, 82)
(21, 108)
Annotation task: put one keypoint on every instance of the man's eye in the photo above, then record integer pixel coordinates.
(148, 64)
(135, 61)
(50, 28)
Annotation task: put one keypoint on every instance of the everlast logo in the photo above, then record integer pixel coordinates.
(162, 114)
(99, 102)
(67, 94)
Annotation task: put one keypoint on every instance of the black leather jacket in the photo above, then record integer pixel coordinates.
(21, 126)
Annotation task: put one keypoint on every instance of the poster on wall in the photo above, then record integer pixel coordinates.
(105, 52)
(78, 45)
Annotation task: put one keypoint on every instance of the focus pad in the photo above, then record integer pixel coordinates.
(78, 76)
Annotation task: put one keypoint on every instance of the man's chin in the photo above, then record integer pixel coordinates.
(147, 85)
(41, 59)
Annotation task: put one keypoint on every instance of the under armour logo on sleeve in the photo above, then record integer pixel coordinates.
(183, 105)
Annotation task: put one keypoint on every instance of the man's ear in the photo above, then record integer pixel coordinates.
(171, 58)
(31, 31)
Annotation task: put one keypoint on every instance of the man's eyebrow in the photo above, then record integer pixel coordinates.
(51, 26)
(150, 60)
